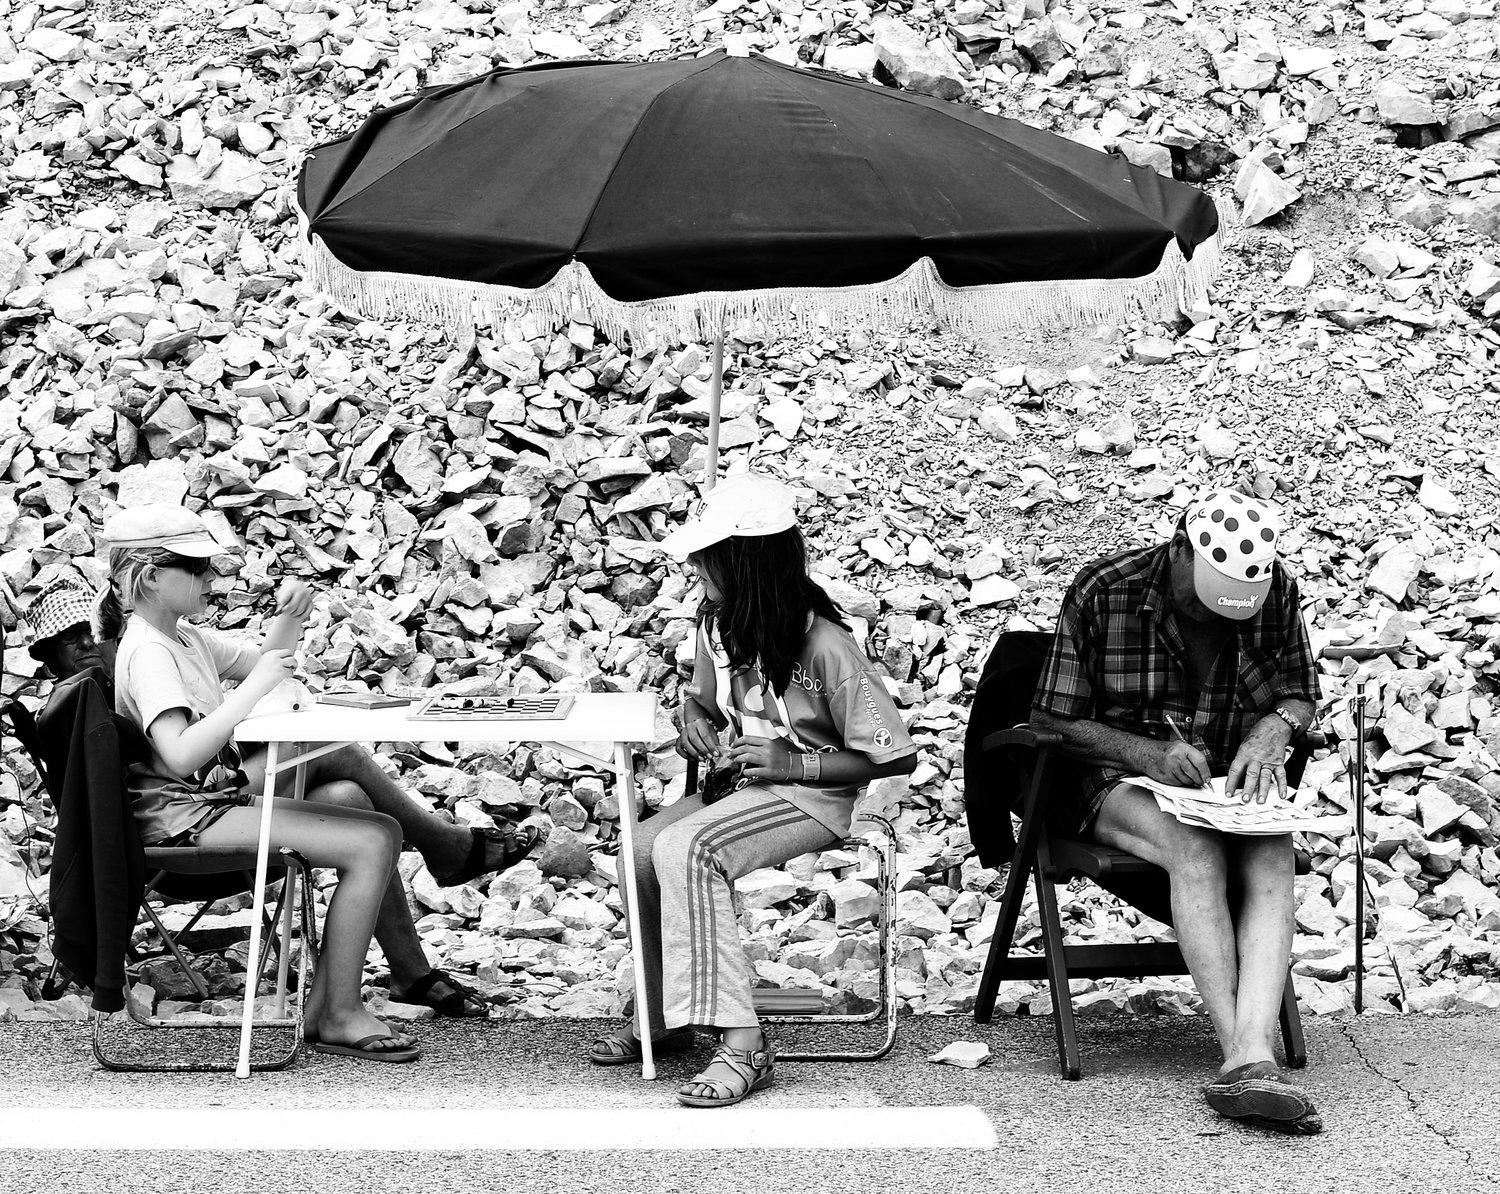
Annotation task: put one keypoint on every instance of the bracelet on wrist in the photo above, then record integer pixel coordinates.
(1292, 722)
(812, 766)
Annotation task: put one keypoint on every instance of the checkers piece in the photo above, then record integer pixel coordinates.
(494, 706)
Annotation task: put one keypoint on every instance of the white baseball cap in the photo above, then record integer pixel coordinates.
(164, 525)
(1234, 547)
(740, 504)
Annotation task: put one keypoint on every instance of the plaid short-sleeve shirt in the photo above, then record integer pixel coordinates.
(1119, 658)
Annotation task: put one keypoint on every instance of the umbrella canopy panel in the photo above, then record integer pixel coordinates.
(694, 193)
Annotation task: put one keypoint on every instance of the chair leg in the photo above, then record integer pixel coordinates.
(271, 942)
(1027, 845)
(994, 962)
(889, 1003)
(193, 976)
(1292, 1041)
(1057, 975)
(297, 873)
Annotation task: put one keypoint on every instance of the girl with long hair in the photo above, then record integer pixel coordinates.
(810, 723)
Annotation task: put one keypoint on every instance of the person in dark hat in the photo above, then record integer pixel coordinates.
(62, 632)
(1182, 662)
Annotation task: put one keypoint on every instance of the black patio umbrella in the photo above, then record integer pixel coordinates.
(685, 197)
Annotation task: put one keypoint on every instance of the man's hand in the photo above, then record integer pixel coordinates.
(1179, 763)
(763, 758)
(1260, 765)
(698, 740)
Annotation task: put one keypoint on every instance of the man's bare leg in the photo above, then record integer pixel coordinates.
(394, 928)
(1195, 858)
(1266, 871)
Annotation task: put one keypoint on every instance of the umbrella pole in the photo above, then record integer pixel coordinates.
(1359, 849)
(715, 389)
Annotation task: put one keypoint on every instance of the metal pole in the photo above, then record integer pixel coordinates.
(1359, 848)
(716, 388)
(625, 791)
(290, 889)
(257, 911)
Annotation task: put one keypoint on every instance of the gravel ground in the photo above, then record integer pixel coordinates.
(1409, 1104)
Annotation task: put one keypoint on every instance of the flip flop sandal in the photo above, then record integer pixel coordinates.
(1257, 1091)
(754, 1069)
(461, 1003)
(618, 1050)
(362, 1049)
(518, 841)
(310, 1035)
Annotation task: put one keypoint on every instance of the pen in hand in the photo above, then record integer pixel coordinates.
(1178, 734)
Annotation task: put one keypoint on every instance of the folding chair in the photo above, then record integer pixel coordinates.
(793, 1005)
(1011, 767)
(117, 858)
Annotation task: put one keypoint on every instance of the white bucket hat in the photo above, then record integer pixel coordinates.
(1234, 547)
(740, 504)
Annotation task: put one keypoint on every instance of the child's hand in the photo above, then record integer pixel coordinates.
(699, 740)
(763, 758)
(270, 669)
(294, 599)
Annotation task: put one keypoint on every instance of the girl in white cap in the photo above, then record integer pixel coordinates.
(810, 722)
(195, 787)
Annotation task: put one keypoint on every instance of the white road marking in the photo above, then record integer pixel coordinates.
(225, 1129)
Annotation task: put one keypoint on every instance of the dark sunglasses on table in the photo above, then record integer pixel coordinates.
(193, 566)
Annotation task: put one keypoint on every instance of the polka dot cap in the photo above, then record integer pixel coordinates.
(1234, 538)
(1235, 533)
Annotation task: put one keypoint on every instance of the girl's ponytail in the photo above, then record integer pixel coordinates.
(109, 613)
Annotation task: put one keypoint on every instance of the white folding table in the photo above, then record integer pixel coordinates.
(612, 719)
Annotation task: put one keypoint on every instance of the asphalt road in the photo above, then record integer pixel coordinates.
(1409, 1104)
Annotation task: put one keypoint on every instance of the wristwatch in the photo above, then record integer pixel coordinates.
(1297, 726)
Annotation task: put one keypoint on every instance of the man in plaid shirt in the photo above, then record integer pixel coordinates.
(1181, 662)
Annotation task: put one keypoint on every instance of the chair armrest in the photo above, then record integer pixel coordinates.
(1022, 735)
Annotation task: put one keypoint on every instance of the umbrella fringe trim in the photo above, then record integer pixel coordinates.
(916, 295)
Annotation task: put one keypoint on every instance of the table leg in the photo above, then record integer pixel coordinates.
(625, 789)
(257, 912)
(284, 959)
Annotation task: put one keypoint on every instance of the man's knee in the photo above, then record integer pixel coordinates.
(342, 793)
(1268, 859)
(1198, 856)
(342, 762)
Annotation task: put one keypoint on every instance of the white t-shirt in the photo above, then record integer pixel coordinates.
(155, 673)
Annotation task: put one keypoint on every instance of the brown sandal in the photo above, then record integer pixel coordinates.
(620, 1049)
(754, 1069)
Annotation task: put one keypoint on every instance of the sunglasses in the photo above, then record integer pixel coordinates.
(191, 565)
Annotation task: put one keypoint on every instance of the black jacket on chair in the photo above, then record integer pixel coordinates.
(1002, 701)
(98, 866)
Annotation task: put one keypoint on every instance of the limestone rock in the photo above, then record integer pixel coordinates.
(1263, 193)
(1395, 572)
(1397, 104)
(916, 65)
